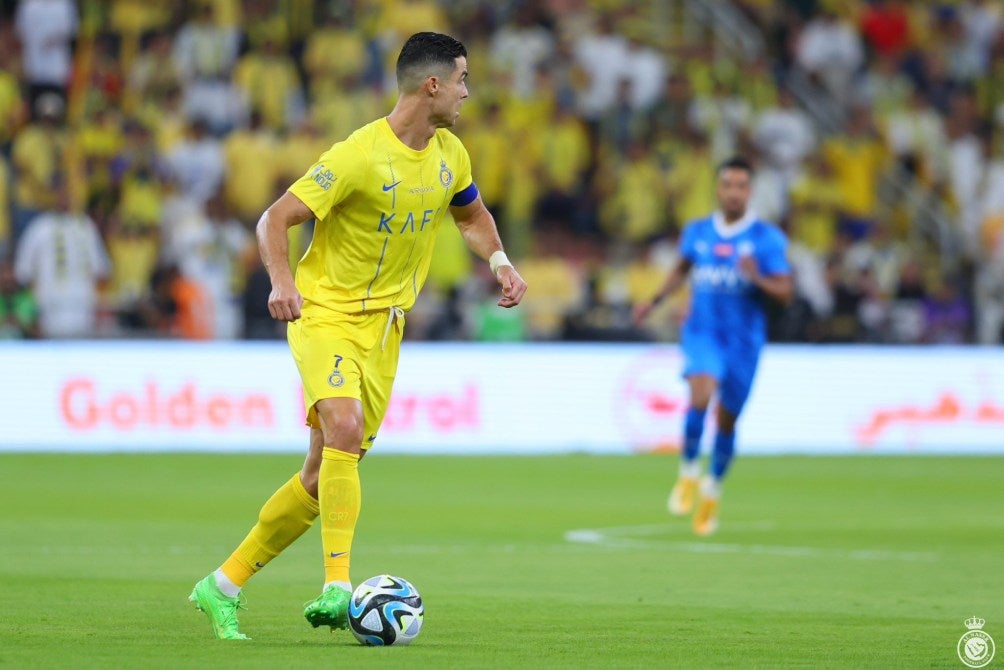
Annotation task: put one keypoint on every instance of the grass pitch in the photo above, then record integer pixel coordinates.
(556, 562)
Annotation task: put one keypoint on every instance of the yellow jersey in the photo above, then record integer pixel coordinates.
(378, 205)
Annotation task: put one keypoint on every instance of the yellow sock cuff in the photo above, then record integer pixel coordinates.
(309, 501)
(237, 569)
(332, 454)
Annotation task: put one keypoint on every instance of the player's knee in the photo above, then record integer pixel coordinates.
(342, 430)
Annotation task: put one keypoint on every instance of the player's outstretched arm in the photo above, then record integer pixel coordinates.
(477, 225)
(672, 284)
(284, 302)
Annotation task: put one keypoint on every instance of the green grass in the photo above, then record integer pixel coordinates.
(855, 562)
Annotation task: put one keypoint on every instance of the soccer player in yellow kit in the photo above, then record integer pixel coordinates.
(378, 199)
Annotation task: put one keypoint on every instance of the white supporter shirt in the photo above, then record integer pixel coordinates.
(61, 256)
(45, 28)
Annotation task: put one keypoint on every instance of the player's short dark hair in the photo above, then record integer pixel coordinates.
(735, 163)
(426, 52)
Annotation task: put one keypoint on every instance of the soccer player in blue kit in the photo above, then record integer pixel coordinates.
(734, 261)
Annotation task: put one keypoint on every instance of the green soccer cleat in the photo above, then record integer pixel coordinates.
(221, 610)
(331, 608)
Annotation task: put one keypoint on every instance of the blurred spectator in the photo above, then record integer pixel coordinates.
(917, 132)
(690, 183)
(633, 210)
(620, 125)
(669, 118)
(197, 163)
(13, 112)
(336, 33)
(270, 83)
(858, 159)
(250, 191)
(61, 256)
(885, 26)
(5, 232)
(722, 116)
(645, 67)
(258, 322)
(566, 147)
(39, 150)
(603, 55)
(214, 255)
(18, 310)
(816, 201)
(784, 135)
(46, 29)
(521, 46)
(830, 49)
(154, 72)
(883, 88)
(205, 53)
(946, 313)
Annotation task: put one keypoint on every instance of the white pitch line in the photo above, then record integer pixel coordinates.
(621, 537)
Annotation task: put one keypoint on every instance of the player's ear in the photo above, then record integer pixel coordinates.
(432, 84)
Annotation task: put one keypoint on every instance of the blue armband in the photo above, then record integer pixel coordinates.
(465, 197)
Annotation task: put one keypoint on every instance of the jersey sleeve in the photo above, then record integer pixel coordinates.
(331, 179)
(688, 242)
(464, 189)
(773, 257)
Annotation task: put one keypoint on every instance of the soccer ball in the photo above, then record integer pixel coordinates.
(385, 610)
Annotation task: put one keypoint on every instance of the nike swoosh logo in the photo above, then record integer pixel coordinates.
(371, 438)
(340, 553)
(387, 188)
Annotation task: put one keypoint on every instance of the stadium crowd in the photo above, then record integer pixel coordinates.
(140, 141)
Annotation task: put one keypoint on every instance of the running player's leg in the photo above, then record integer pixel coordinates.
(702, 369)
(735, 388)
(282, 519)
(340, 496)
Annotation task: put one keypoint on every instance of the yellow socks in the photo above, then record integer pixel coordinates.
(285, 516)
(341, 497)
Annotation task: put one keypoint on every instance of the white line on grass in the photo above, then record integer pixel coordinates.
(642, 537)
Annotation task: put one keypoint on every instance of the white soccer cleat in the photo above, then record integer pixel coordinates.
(681, 498)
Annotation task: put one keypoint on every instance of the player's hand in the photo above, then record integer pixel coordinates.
(284, 302)
(748, 266)
(513, 286)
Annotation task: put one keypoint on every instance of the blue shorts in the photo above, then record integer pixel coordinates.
(732, 363)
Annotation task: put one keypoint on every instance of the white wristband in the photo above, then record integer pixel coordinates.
(497, 260)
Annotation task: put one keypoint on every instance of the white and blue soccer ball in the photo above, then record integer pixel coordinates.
(386, 610)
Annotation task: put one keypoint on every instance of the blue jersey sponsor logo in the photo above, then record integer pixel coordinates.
(410, 223)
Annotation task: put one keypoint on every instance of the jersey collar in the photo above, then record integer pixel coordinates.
(731, 230)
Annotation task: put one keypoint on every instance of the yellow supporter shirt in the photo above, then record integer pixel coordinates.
(250, 183)
(268, 82)
(378, 206)
(856, 166)
(36, 156)
(10, 105)
(4, 206)
(490, 147)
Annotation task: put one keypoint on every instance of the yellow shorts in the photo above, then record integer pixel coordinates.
(348, 356)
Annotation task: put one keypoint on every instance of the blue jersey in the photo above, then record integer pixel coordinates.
(724, 305)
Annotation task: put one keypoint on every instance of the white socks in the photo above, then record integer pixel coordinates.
(223, 583)
(690, 469)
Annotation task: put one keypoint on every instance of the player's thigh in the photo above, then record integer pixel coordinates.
(703, 365)
(329, 361)
(377, 384)
(737, 381)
